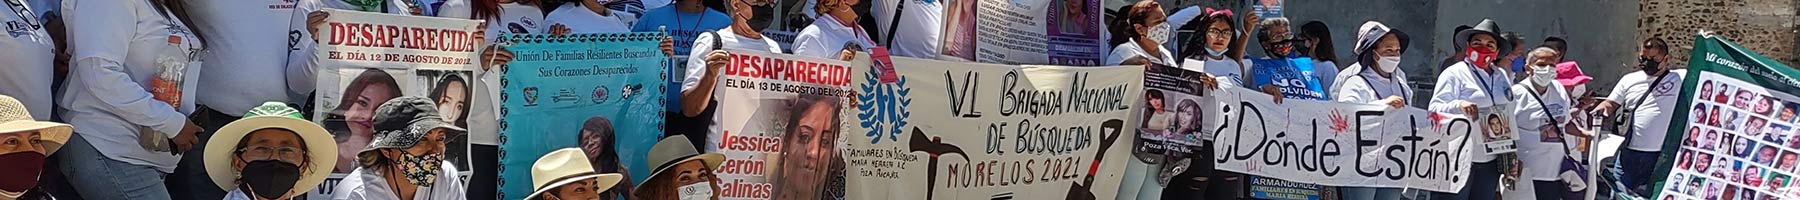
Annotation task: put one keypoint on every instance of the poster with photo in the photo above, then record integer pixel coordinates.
(1497, 130)
(1171, 123)
(781, 120)
(1737, 136)
(601, 93)
(362, 63)
(1044, 32)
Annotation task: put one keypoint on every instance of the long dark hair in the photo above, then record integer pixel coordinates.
(1317, 31)
(337, 118)
(443, 85)
(1196, 45)
(179, 10)
(608, 159)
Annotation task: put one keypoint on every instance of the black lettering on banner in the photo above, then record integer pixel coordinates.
(965, 97)
(1407, 155)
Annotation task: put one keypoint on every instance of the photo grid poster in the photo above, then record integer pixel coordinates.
(1340, 144)
(1734, 137)
(781, 122)
(598, 92)
(959, 130)
(365, 59)
(1054, 32)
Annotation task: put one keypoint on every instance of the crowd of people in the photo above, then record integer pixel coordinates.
(145, 85)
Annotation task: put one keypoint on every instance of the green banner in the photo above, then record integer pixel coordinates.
(1733, 131)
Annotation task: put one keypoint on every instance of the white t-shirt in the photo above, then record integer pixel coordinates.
(1651, 120)
(1542, 159)
(921, 26)
(513, 18)
(581, 20)
(249, 42)
(29, 53)
(696, 69)
(826, 38)
(1131, 49)
(1327, 72)
(1228, 72)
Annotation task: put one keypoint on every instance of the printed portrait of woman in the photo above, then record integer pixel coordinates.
(1156, 118)
(1699, 112)
(1726, 144)
(598, 141)
(1188, 121)
(1685, 160)
(1742, 147)
(1705, 89)
(1073, 16)
(808, 151)
(1743, 99)
(352, 122)
(1765, 106)
(452, 96)
(1714, 117)
(1721, 96)
(1693, 137)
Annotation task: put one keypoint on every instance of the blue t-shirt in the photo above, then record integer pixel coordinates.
(1295, 77)
(683, 27)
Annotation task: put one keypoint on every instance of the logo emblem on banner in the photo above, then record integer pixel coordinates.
(883, 107)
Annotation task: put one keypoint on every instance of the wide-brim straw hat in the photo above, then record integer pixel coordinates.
(676, 150)
(14, 118)
(321, 149)
(564, 166)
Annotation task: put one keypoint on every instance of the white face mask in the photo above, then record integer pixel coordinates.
(1542, 75)
(1578, 91)
(1215, 53)
(1160, 33)
(697, 191)
(1388, 64)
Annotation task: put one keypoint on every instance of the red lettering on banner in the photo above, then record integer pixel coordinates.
(738, 188)
(391, 36)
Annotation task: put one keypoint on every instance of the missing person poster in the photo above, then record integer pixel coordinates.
(1497, 130)
(1341, 144)
(598, 92)
(365, 59)
(780, 120)
(960, 130)
(1171, 125)
(1750, 156)
(1055, 32)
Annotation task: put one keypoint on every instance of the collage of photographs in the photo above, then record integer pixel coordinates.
(1741, 145)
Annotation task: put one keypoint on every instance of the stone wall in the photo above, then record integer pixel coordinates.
(1765, 26)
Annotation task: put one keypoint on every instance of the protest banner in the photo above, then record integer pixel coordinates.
(957, 130)
(1268, 8)
(1747, 157)
(599, 92)
(1340, 144)
(365, 58)
(780, 121)
(1056, 32)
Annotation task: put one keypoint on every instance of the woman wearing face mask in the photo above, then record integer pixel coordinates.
(709, 56)
(833, 34)
(27, 143)
(270, 154)
(1467, 88)
(1221, 59)
(406, 159)
(1149, 29)
(1383, 84)
(681, 172)
(1543, 108)
(1319, 46)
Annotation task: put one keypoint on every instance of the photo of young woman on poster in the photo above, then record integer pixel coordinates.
(352, 122)
(808, 157)
(599, 142)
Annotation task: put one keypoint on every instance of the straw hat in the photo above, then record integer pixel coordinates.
(565, 166)
(14, 118)
(675, 150)
(321, 150)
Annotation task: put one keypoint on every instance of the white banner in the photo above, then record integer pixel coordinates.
(1342, 144)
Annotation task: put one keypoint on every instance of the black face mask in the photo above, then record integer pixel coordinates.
(1648, 64)
(761, 17)
(270, 179)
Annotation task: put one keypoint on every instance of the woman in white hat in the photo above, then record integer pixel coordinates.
(681, 172)
(278, 154)
(565, 174)
(406, 159)
(24, 143)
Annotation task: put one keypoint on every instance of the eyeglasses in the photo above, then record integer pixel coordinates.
(1218, 31)
(290, 154)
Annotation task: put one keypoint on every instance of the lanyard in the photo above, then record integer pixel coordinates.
(1484, 84)
(1402, 87)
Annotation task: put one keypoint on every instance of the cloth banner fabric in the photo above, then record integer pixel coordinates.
(599, 92)
(365, 59)
(958, 130)
(1341, 144)
(1750, 153)
(780, 118)
(1057, 32)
